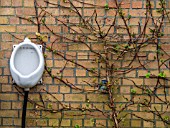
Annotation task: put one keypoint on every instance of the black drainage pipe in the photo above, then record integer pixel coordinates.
(24, 108)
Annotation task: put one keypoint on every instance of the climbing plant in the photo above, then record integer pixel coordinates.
(119, 55)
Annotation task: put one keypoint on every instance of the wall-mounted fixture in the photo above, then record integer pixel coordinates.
(26, 67)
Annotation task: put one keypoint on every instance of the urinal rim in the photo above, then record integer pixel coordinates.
(41, 59)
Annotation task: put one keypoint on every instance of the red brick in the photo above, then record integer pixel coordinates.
(65, 122)
(111, 4)
(9, 113)
(52, 11)
(42, 122)
(62, 46)
(134, 29)
(16, 2)
(150, 82)
(55, 29)
(136, 123)
(100, 12)
(149, 48)
(152, 56)
(78, 47)
(29, 3)
(47, 97)
(145, 115)
(121, 31)
(131, 74)
(51, 115)
(142, 72)
(59, 63)
(97, 47)
(8, 96)
(49, 63)
(41, 3)
(7, 55)
(165, 47)
(2, 54)
(17, 121)
(125, 89)
(136, 4)
(87, 64)
(97, 98)
(5, 105)
(71, 54)
(7, 28)
(5, 2)
(6, 37)
(31, 122)
(64, 12)
(50, 20)
(71, 114)
(136, 12)
(71, 80)
(25, 11)
(6, 88)
(27, 29)
(111, 12)
(64, 89)
(77, 122)
(88, 123)
(100, 3)
(74, 97)
(153, 65)
(80, 72)
(52, 88)
(14, 20)
(77, 4)
(134, 21)
(17, 105)
(53, 122)
(3, 20)
(7, 11)
(100, 123)
(81, 80)
(25, 22)
(120, 21)
(4, 79)
(125, 4)
(89, 3)
(150, 124)
(68, 72)
(47, 80)
(88, 12)
(74, 20)
(7, 121)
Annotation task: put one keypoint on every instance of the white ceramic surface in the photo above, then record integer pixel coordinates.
(26, 64)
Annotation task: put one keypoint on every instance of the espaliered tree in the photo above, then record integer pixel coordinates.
(115, 51)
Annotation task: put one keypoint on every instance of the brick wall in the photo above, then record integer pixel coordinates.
(11, 97)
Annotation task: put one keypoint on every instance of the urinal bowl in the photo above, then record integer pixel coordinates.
(26, 64)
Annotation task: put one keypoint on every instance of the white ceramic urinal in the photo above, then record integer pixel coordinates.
(26, 64)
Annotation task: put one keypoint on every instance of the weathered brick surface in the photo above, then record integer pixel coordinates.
(11, 101)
